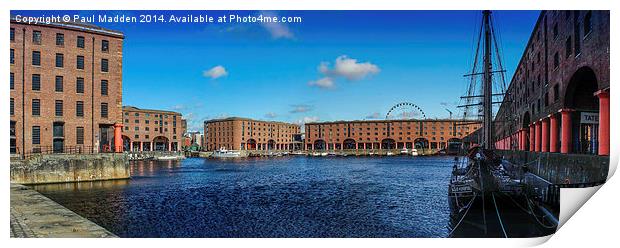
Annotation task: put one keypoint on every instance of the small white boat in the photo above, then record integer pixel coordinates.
(223, 153)
(404, 151)
(323, 154)
(168, 157)
(414, 152)
(390, 154)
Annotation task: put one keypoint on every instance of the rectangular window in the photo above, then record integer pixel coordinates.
(587, 23)
(12, 56)
(59, 84)
(79, 109)
(577, 31)
(104, 110)
(569, 47)
(79, 135)
(79, 85)
(36, 135)
(12, 106)
(12, 80)
(556, 60)
(80, 62)
(36, 58)
(104, 65)
(60, 39)
(12, 34)
(36, 37)
(104, 87)
(60, 60)
(58, 107)
(80, 41)
(105, 46)
(36, 82)
(36, 107)
(556, 92)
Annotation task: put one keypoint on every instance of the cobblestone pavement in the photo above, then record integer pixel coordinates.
(34, 215)
(18, 230)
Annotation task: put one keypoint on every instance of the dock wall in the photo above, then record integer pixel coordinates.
(61, 168)
(558, 168)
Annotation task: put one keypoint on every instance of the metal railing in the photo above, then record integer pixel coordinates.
(47, 150)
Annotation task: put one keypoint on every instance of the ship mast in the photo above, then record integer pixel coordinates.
(487, 86)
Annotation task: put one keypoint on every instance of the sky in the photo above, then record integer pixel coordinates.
(333, 65)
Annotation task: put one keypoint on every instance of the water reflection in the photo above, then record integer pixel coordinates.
(278, 197)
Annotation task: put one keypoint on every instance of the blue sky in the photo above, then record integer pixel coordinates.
(334, 65)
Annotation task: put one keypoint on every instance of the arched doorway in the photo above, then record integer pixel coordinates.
(454, 145)
(349, 144)
(251, 144)
(271, 145)
(319, 145)
(526, 125)
(420, 143)
(126, 143)
(388, 144)
(161, 143)
(579, 96)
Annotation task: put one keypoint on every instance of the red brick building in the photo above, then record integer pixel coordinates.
(558, 98)
(65, 88)
(246, 134)
(386, 134)
(152, 130)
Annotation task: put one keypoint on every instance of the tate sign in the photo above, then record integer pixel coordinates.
(589, 118)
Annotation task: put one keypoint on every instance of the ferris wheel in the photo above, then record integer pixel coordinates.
(404, 111)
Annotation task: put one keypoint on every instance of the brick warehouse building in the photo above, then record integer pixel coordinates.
(558, 99)
(386, 134)
(246, 134)
(65, 88)
(152, 130)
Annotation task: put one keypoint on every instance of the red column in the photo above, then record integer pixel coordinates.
(532, 137)
(538, 128)
(118, 138)
(553, 137)
(523, 139)
(566, 131)
(603, 126)
(545, 135)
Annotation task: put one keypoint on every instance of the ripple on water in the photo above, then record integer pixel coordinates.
(282, 197)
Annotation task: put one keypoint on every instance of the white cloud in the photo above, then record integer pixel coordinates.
(179, 107)
(325, 83)
(215, 72)
(307, 119)
(271, 115)
(375, 115)
(349, 68)
(344, 67)
(301, 108)
(276, 29)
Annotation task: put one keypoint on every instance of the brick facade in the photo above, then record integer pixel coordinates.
(564, 65)
(386, 134)
(247, 134)
(152, 130)
(44, 69)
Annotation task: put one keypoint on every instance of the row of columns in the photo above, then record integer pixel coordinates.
(140, 147)
(545, 133)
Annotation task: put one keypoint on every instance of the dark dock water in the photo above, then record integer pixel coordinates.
(277, 197)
